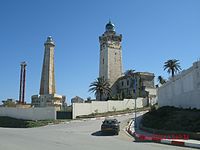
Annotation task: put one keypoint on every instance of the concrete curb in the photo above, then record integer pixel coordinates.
(176, 142)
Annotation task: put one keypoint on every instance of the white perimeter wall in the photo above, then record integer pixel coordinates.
(105, 106)
(183, 90)
(37, 113)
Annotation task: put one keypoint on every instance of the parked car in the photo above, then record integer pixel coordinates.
(110, 126)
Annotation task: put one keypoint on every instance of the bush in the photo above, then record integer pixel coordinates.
(153, 108)
(20, 123)
(171, 118)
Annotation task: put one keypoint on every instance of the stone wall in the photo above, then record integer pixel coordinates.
(183, 90)
(44, 113)
(105, 106)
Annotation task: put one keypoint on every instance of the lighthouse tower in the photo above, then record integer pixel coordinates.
(110, 54)
(47, 95)
(47, 84)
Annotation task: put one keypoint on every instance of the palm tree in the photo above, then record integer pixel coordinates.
(172, 66)
(101, 87)
(161, 80)
(129, 72)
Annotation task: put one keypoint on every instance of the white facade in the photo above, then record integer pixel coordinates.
(48, 100)
(183, 90)
(44, 113)
(105, 106)
(152, 92)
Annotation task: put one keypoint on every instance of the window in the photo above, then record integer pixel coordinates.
(122, 83)
(127, 83)
(103, 60)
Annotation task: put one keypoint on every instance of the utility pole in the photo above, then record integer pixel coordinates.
(135, 113)
(135, 96)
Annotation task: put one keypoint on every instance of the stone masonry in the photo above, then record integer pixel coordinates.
(48, 96)
(110, 54)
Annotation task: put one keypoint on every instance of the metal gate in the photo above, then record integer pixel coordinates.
(63, 115)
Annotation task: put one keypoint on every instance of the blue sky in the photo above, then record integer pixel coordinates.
(153, 32)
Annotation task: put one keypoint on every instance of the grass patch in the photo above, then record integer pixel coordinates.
(110, 113)
(9, 122)
(173, 119)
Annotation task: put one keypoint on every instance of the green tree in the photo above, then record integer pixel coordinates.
(9, 103)
(89, 98)
(129, 72)
(101, 87)
(161, 80)
(172, 66)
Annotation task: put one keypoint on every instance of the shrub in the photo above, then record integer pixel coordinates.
(171, 118)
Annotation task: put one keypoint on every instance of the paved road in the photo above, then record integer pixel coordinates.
(76, 135)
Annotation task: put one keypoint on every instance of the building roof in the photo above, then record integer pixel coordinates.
(136, 74)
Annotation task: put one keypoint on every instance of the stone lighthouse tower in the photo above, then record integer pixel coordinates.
(47, 95)
(110, 54)
(47, 84)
